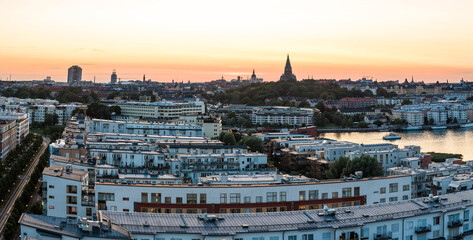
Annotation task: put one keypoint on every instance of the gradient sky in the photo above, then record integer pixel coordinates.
(202, 40)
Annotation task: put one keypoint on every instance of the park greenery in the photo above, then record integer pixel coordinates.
(273, 93)
(236, 138)
(24, 202)
(345, 167)
(102, 111)
(440, 157)
(14, 164)
(65, 95)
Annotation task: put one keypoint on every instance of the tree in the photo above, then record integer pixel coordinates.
(363, 124)
(51, 119)
(345, 166)
(304, 104)
(98, 110)
(254, 143)
(116, 109)
(378, 123)
(229, 139)
(336, 168)
(78, 111)
(406, 102)
(399, 122)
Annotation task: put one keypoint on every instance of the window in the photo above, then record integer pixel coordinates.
(393, 199)
(223, 198)
(88, 211)
(395, 227)
(382, 190)
(356, 191)
(71, 210)
(126, 210)
(313, 194)
(191, 198)
(178, 199)
(382, 200)
(408, 237)
(324, 195)
(365, 232)
(258, 238)
(308, 237)
(51, 197)
(234, 198)
(71, 189)
(392, 187)
(466, 227)
(346, 192)
(126, 199)
(167, 200)
(436, 220)
(51, 186)
(271, 197)
(144, 197)
(292, 237)
(410, 225)
(203, 198)
(405, 187)
(405, 197)
(466, 215)
(326, 236)
(71, 200)
(259, 199)
(301, 195)
(106, 196)
(273, 238)
(282, 196)
(156, 197)
(334, 195)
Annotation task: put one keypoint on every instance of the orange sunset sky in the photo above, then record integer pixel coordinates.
(204, 40)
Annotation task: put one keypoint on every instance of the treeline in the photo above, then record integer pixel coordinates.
(236, 138)
(257, 94)
(14, 165)
(22, 203)
(66, 95)
(440, 157)
(102, 111)
(345, 167)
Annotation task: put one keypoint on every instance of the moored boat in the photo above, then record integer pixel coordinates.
(392, 136)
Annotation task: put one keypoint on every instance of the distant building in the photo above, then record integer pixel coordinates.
(287, 75)
(254, 79)
(113, 78)
(74, 75)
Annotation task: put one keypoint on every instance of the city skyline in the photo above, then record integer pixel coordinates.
(389, 40)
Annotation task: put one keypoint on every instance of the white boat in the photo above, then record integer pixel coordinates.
(412, 128)
(466, 125)
(438, 127)
(392, 136)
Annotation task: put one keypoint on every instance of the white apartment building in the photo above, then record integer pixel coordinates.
(63, 193)
(143, 128)
(21, 121)
(281, 115)
(447, 217)
(164, 110)
(413, 117)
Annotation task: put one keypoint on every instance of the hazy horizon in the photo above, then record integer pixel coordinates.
(205, 40)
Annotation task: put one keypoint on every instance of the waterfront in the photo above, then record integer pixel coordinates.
(446, 141)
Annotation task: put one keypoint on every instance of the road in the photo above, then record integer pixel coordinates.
(7, 207)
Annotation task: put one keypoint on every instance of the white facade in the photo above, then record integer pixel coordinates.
(143, 128)
(448, 217)
(161, 110)
(413, 117)
(281, 115)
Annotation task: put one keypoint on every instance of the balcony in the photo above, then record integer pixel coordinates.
(457, 237)
(455, 224)
(423, 229)
(384, 236)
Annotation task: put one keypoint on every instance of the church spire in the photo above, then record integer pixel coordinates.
(288, 68)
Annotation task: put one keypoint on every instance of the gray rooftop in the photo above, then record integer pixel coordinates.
(231, 224)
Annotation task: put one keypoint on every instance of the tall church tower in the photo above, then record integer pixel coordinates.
(287, 75)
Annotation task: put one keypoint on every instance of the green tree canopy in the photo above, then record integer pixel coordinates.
(345, 167)
(255, 144)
